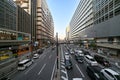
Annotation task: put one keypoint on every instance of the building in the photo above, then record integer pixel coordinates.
(45, 26)
(67, 33)
(106, 25)
(42, 26)
(98, 20)
(82, 21)
(11, 34)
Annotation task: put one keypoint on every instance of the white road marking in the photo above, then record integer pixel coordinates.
(53, 70)
(63, 71)
(80, 70)
(30, 68)
(63, 66)
(64, 78)
(50, 56)
(42, 69)
(63, 63)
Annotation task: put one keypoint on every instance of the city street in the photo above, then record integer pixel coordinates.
(41, 69)
(78, 70)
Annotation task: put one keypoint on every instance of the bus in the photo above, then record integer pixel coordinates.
(24, 64)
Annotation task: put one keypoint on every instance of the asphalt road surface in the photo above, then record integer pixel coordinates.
(41, 69)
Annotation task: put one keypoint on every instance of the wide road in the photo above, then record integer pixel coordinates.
(41, 69)
(78, 70)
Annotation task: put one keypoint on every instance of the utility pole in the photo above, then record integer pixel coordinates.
(57, 49)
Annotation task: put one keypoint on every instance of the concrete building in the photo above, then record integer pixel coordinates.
(107, 25)
(82, 21)
(67, 33)
(98, 20)
(42, 26)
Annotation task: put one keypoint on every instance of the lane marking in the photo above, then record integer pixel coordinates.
(64, 72)
(50, 56)
(80, 70)
(62, 63)
(64, 78)
(53, 70)
(42, 69)
(30, 68)
(63, 66)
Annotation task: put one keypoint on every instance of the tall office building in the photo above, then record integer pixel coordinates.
(42, 26)
(99, 20)
(8, 24)
(82, 21)
(107, 25)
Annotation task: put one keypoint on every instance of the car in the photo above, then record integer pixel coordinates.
(110, 74)
(90, 60)
(71, 51)
(35, 56)
(68, 64)
(79, 58)
(94, 73)
(102, 60)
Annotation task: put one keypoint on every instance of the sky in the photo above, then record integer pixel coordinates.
(62, 12)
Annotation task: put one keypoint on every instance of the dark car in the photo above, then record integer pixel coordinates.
(102, 60)
(79, 58)
(68, 64)
(94, 73)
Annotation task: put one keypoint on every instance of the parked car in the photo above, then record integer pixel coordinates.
(110, 74)
(68, 64)
(90, 60)
(102, 60)
(94, 73)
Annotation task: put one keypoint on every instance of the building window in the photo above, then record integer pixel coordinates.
(111, 14)
(103, 19)
(117, 11)
(111, 5)
(106, 8)
(106, 17)
(117, 2)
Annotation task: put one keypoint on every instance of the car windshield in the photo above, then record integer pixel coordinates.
(117, 77)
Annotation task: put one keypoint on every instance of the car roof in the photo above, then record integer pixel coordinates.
(111, 71)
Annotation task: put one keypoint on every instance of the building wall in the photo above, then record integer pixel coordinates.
(81, 20)
(106, 18)
(23, 21)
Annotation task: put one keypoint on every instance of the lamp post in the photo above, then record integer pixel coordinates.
(57, 48)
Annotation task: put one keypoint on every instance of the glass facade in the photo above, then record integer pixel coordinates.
(7, 14)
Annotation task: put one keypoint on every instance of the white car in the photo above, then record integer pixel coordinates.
(36, 56)
(110, 74)
(90, 60)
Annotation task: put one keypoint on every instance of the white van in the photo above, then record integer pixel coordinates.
(24, 64)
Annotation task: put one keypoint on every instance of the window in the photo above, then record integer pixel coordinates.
(106, 17)
(117, 2)
(110, 40)
(111, 14)
(117, 11)
(111, 5)
(106, 8)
